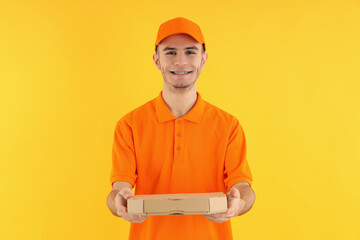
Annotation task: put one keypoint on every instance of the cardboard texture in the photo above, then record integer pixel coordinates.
(178, 204)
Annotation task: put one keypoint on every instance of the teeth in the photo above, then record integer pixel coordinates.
(180, 72)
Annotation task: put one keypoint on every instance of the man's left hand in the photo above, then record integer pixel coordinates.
(235, 206)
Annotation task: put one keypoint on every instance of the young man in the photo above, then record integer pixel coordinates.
(179, 143)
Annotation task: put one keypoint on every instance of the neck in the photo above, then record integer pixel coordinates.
(180, 102)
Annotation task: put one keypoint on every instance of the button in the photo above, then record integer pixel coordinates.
(178, 148)
(178, 134)
(179, 121)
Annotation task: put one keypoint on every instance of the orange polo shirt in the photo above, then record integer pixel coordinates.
(203, 151)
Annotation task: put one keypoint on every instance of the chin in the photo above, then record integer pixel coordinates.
(179, 85)
(183, 85)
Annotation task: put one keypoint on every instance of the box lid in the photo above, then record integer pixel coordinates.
(178, 204)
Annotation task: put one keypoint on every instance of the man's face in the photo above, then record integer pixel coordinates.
(180, 59)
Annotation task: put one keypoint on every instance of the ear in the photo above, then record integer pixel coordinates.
(156, 61)
(203, 60)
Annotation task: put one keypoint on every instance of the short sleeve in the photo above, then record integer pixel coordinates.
(236, 165)
(123, 154)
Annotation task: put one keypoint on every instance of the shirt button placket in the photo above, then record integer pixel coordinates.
(178, 140)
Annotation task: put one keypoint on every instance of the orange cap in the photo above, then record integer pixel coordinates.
(179, 25)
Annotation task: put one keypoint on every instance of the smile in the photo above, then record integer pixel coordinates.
(180, 73)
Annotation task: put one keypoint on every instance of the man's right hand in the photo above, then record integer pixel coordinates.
(121, 206)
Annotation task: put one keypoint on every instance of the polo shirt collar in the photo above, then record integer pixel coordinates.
(164, 114)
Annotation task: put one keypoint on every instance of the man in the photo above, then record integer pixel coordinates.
(179, 143)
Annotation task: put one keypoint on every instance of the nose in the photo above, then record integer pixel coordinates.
(180, 59)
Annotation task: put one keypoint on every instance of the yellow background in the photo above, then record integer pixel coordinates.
(288, 70)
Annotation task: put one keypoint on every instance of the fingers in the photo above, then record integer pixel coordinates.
(126, 193)
(121, 210)
(231, 212)
(216, 215)
(120, 202)
(233, 206)
(219, 218)
(131, 217)
(233, 193)
(135, 218)
(123, 213)
(121, 207)
(233, 199)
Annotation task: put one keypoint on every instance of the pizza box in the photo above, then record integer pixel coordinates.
(178, 204)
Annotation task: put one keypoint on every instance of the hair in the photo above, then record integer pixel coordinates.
(202, 50)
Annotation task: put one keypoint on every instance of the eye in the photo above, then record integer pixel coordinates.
(170, 53)
(190, 52)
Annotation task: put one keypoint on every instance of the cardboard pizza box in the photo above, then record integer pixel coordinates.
(178, 204)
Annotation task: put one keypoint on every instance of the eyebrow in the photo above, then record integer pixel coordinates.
(172, 48)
